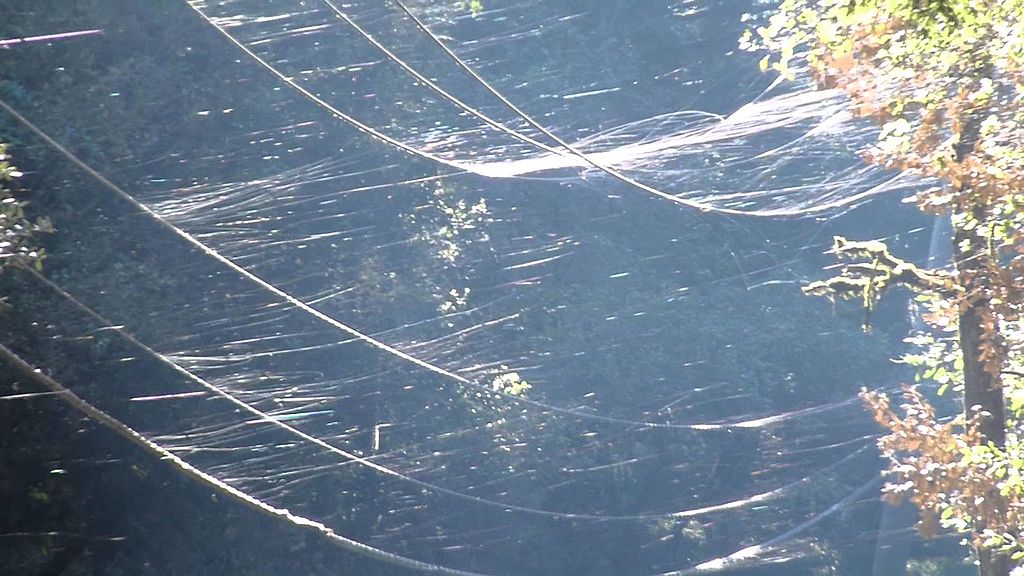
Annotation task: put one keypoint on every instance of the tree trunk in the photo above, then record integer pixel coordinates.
(983, 391)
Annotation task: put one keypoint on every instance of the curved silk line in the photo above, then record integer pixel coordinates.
(251, 502)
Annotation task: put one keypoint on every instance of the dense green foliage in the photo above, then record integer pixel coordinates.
(945, 81)
(16, 230)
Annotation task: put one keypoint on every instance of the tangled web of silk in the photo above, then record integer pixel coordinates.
(425, 454)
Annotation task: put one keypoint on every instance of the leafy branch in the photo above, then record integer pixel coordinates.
(871, 271)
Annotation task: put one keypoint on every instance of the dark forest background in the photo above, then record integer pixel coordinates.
(78, 500)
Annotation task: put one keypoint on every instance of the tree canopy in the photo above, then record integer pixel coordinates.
(944, 80)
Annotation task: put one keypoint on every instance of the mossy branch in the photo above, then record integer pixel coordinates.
(872, 271)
